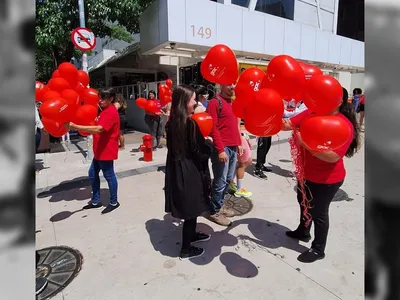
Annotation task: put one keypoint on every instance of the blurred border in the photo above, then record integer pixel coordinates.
(382, 219)
(17, 206)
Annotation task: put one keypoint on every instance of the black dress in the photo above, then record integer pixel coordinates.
(187, 177)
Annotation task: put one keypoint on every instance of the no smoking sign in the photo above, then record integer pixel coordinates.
(83, 39)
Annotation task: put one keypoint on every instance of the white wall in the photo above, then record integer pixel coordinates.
(246, 32)
(307, 12)
(357, 81)
(345, 80)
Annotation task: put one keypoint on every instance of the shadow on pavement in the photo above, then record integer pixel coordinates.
(275, 170)
(238, 266)
(39, 164)
(76, 195)
(165, 236)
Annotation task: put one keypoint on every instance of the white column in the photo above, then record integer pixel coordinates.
(335, 17)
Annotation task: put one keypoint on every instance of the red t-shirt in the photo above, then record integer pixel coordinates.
(317, 170)
(362, 99)
(105, 144)
(225, 131)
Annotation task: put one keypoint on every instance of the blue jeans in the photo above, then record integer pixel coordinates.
(223, 175)
(107, 166)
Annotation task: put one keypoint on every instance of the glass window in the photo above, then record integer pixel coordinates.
(279, 8)
(244, 3)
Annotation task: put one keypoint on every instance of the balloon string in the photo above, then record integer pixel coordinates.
(298, 160)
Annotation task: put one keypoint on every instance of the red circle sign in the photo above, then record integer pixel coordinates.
(83, 39)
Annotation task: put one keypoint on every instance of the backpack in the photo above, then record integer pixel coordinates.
(219, 105)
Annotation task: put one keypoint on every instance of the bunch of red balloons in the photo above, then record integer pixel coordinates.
(259, 95)
(164, 95)
(67, 98)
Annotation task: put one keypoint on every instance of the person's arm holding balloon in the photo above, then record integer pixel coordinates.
(328, 156)
(104, 124)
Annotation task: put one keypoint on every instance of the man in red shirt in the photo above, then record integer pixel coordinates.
(227, 143)
(105, 149)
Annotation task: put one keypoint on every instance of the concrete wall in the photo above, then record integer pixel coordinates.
(203, 23)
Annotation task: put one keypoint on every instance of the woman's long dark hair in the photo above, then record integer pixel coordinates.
(179, 114)
(347, 110)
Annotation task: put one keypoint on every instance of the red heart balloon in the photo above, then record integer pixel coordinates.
(204, 121)
(69, 72)
(40, 90)
(56, 129)
(50, 95)
(91, 96)
(153, 106)
(80, 89)
(325, 133)
(284, 75)
(72, 99)
(249, 83)
(55, 74)
(58, 84)
(220, 65)
(323, 94)
(56, 110)
(263, 116)
(141, 102)
(238, 107)
(85, 114)
(83, 78)
(168, 83)
(310, 70)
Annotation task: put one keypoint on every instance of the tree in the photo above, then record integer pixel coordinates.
(55, 20)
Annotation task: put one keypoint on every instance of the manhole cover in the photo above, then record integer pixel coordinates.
(59, 265)
(240, 206)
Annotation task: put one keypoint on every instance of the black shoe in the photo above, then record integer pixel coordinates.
(110, 208)
(299, 236)
(265, 169)
(154, 148)
(90, 206)
(260, 174)
(41, 284)
(310, 256)
(201, 237)
(159, 146)
(192, 253)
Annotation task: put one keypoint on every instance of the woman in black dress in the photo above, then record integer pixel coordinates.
(187, 176)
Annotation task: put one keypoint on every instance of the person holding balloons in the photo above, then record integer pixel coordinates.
(323, 174)
(226, 138)
(154, 122)
(187, 177)
(105, 148)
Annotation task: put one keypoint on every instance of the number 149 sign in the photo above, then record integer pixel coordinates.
(201, 32)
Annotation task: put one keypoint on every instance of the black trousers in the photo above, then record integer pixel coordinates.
(155, 126)
(263, 146)
(188, 233)
(321, 196)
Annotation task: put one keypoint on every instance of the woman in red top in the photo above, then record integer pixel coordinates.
(105, 148)
(324, 173)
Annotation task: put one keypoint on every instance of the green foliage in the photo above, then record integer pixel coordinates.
(55, 20)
